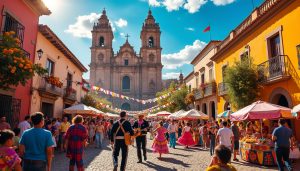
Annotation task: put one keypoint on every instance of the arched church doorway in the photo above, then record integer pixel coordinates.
(126, 106)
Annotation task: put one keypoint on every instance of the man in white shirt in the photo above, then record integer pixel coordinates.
(225, 136)
(24, 125)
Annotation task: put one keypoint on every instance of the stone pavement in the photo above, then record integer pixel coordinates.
(179, 159)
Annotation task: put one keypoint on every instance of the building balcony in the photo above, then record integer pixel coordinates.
(210, 89)
(275, 69)
(70, 94)
(198, 94)
(222, 89)
(49, 90)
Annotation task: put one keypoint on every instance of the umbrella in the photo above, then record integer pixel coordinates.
(225, 114)
(79, 109)
(151, 116)
(163, 113)
(175, 114)
(111, 115)
(192, 114)
(97, 111)
(296, 109)
(261, 110)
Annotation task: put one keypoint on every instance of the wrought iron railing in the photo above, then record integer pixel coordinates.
(222, 88)
(209, 89)
(49, 88)
(70, 93)
(11, 24)
(273, 69)
(198, 94)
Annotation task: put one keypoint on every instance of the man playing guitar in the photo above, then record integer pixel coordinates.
(141, 127)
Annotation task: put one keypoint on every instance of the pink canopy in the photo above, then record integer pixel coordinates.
(261, 110)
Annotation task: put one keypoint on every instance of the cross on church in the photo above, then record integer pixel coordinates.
(127, 37)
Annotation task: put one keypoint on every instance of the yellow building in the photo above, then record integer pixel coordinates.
(62, 85)
(271, 36)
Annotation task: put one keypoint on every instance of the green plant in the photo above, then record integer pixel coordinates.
(15, 67)
(242, 81)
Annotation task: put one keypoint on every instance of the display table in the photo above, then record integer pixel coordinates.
(258, 154)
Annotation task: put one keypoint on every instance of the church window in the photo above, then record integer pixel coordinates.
(126, 62)
(151, 42)
(101, 42)
(151, 58)
(126, 84)
(152, 86)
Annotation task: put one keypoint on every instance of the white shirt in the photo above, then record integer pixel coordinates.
(225, 135)
(24, 125)
(172, 128)
(187, 128)
(154, 124)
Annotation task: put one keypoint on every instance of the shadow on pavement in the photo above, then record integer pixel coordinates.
(157, 167)
(177, 154)
(174, 161)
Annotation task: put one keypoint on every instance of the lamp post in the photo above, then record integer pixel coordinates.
(40, 53)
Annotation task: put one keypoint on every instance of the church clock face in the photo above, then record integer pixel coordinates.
(136, 75)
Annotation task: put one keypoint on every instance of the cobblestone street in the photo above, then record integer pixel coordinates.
(178, 159)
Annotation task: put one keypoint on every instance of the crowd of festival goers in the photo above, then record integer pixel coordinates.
(30, 146)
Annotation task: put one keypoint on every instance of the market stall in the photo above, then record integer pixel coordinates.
(176, 114)
(225, 114)
(80, 109)
(193, 115)
(258, 148)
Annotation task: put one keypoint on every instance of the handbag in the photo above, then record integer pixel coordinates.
(127, 136)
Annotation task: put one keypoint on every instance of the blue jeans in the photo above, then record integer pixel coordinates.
(99, 138)
(212, 145)
(34, 165)
(172, 139)
(283, 153)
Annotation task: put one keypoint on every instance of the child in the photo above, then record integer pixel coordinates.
(9, 159)
(54, 133)
(16, 139)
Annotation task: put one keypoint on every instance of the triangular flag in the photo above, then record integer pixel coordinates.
(206, 29)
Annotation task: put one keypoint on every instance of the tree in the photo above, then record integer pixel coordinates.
(93, 100)
(15, 67)
(242, 81)
(177, 98)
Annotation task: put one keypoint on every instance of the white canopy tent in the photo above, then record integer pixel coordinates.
(192, 115)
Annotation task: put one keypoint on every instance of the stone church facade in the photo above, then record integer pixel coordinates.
(126, 72)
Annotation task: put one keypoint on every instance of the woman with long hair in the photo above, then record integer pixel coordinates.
(187, 139)
(160, 143)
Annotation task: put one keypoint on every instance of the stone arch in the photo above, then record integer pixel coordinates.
(227, 106)
(204, 108)
(212, 106)
(126, 83)
(280, 96)
(151, 42)
(101, 41)
(126, 106)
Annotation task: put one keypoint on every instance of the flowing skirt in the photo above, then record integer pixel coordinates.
(186, 139)
(160, 146)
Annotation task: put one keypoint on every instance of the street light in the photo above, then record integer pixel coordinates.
(40, 53)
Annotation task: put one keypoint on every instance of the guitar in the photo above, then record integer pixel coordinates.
(137, 132)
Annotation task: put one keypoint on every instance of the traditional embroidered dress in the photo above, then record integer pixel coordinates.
(8, 158)
(160, 143)
(187, 138)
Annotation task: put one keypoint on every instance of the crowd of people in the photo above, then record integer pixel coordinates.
(30, 146)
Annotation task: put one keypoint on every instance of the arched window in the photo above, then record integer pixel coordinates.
(101, 41)
(151, 42)
(152, 86)
(204, 109)
(126, 106)
(126, 84)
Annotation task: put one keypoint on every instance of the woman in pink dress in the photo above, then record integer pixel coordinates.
(160, 143)
(186, 139)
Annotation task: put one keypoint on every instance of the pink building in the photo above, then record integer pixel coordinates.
(22, 17)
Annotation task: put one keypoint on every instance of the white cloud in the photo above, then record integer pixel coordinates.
(154, 3)
(173, 4)
(83, 25)
(190, 28)
(184, 56)
(171, 75)
(121, 23)
(122, 35)
(222, 2)
(194, 5)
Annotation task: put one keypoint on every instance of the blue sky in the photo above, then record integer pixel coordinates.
(181, 21)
